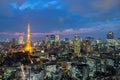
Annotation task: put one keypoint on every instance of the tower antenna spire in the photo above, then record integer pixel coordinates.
(28, 46)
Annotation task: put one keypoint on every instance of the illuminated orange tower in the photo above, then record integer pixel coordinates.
(28, 46)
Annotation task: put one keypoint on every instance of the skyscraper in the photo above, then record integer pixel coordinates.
(28, 46)
(57, 38)
(20, 40)
(110, 35)
(111, 42)
(77, 45)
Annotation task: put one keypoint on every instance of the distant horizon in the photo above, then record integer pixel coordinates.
(37, 36)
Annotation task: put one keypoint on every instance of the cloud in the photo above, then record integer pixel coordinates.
(4, 33)
(96, 28)
(105, 5)
(18, 34)
(5, 7)
(62, 17)
(95, 9)
(38, 4)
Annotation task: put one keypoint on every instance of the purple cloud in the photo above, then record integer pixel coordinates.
(65, 32)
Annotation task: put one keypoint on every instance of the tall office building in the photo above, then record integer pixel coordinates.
(88, 47)
(57, 38)
(111, 42)
(46, 39)
(110, 35)
(21, 40)
(47, 42)
(52, 38)
(77, 45)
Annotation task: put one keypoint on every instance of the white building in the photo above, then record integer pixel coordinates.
(21, 40)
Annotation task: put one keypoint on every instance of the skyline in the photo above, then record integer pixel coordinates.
(64, 17)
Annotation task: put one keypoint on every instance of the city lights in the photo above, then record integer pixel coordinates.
(28, 47)
(59, 39)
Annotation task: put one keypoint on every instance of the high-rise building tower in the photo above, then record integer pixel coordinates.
(110, 35)
(28, 46)
(20, 40)
(111, 42)
(46, 39)
(57, 38)
(77, 45)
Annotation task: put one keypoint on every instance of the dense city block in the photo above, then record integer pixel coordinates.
(61, 59)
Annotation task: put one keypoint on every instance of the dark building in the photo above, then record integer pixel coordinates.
(110, 35)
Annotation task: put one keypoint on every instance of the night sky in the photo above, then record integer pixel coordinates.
(65, 17)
